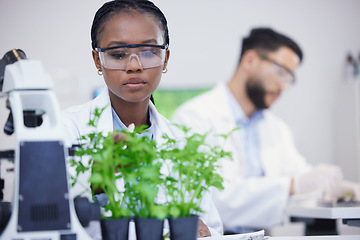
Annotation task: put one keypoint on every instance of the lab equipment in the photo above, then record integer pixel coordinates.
(42, 207)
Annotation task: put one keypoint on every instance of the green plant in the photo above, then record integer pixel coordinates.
(133, 160)
(137, 161)
(194, 170)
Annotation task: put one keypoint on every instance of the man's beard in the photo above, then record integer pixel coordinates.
(256, 93)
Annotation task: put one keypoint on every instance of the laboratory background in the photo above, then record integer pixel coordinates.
(322, 108)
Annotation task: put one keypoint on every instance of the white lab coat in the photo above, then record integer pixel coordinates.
(257, 202)
(75, 120)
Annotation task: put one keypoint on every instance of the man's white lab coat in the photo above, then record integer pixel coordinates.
(257, 202)
(75, 120)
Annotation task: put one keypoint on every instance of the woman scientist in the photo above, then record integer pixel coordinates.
(136, 30)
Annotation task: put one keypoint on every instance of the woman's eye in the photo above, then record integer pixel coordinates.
(150, 52)
(117, 54)
(147, 53)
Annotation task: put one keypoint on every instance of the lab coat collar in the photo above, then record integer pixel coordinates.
(105, 122)
(161, 124)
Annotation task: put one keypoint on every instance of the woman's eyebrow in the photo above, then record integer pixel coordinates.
(150, 41)
(115, 43)
(119, 43)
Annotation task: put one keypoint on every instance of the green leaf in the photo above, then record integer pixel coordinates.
(174, 211)
(96, 178)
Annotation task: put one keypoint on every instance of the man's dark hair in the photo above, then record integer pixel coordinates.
(109, 9)
(267, 40)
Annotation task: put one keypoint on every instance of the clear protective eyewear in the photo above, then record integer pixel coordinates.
(118, 57)
(283, 72)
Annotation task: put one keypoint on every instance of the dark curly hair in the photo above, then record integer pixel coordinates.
(109, 9)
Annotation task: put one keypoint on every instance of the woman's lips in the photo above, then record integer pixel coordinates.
(134, 83)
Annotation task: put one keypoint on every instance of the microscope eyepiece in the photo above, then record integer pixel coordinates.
(9, 58)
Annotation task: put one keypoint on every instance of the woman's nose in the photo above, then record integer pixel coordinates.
(134, 64)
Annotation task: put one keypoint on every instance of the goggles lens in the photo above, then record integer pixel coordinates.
(284, 75)
(283, 72)
(148, 56)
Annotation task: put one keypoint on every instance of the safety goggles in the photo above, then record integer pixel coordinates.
(118, 57)
(285, 75)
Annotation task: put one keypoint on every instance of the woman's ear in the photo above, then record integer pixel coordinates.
(167, 56)
(96, 59)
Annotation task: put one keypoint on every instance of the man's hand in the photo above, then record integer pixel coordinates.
(203, 230)
(326, 178)
(350, 191)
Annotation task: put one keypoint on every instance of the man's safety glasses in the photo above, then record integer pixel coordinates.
(283, 72)
(118, 57)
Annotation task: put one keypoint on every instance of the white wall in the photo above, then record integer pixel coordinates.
(320, 107)
(205, 42)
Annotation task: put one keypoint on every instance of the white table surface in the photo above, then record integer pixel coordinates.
(337, 237)
(313, 210)
(241, 237)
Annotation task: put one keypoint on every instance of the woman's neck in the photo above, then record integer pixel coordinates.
(137, 113)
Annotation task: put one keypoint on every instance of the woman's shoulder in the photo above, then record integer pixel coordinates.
(84, 111)
(76, 118)
(77, 113)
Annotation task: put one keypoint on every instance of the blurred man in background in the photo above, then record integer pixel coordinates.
(267, 168)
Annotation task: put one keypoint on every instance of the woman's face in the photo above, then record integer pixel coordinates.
(134, 84)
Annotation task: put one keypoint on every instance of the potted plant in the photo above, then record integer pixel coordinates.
(128, 172)
(143, 178)
(127, 168)
(194, 171)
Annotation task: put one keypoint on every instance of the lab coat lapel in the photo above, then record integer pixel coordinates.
(106, 121)
(161, 126)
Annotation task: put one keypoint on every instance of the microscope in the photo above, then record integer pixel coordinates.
(42, 208)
